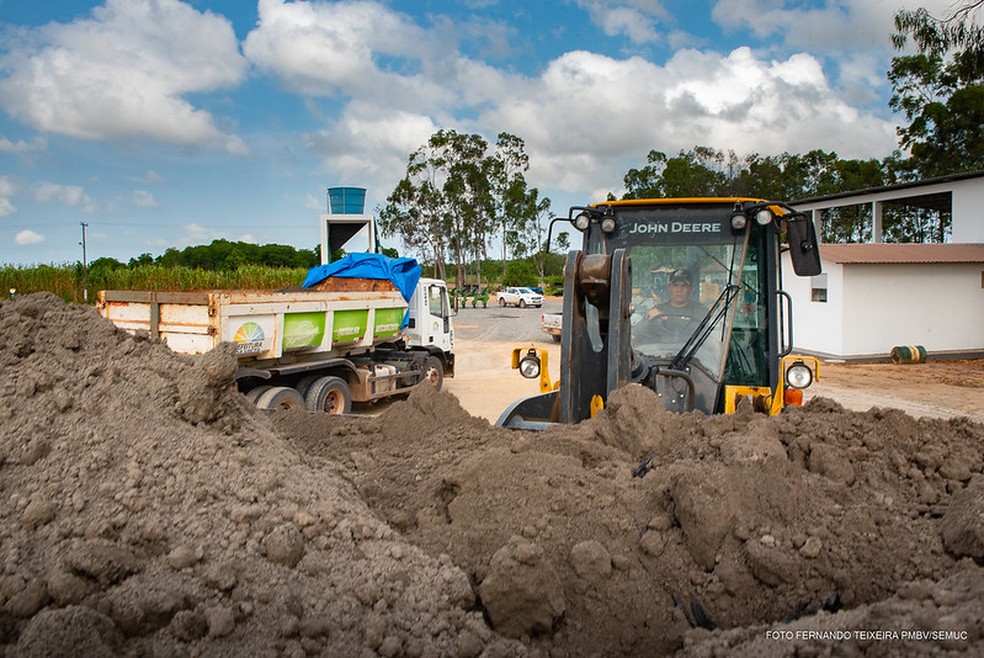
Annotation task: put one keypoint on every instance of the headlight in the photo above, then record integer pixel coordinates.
(608, 224)
(529, 366)
(799, 375)
(763, 217)
(582, 221)
(739, 221)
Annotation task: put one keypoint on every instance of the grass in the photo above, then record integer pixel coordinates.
(66, 281)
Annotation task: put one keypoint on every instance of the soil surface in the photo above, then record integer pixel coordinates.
(147, 509)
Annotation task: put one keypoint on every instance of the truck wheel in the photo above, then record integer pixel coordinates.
(280, 397)
(330, 395)
(502, 301)
(254, 394)
(303, 384)
(522, 303)
(556, 337)
(434, 372)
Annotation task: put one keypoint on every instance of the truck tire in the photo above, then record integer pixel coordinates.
(280, 397)
(303, 384)
(522, 303)
(330, 395)
(502, 301)
(254, 394)
(556, 337)
(434, 372)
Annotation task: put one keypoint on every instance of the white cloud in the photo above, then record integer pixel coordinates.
(144, 199)
(636, 19)
(199, 234)
(122, 74)
(832, 28)
(7, 190)
(324, 49)
(28, 237)
(586, 117)
(73, 196)
(735, 102)
(370, 144)
(20, 146)
(149, 178)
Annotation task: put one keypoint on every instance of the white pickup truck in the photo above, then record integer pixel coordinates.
(552, 324)
(518, 296)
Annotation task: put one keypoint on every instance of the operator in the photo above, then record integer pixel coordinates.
(680, 312)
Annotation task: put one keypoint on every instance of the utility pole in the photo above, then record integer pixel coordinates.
(85, 272)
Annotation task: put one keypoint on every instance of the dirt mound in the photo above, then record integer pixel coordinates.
(148, 509)
(733, 521)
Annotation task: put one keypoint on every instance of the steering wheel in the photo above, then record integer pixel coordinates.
(669, 325)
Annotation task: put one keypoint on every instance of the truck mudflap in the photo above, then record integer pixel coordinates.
(538, 412)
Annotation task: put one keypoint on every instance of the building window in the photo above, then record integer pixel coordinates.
(818, 288)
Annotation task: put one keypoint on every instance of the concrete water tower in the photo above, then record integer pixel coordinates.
(345, 219)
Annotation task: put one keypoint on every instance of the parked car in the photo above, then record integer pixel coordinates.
(521, 297)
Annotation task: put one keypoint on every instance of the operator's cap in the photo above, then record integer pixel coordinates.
(682, 275)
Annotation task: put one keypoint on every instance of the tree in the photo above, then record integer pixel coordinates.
(940, 90)
(505, 170)
(454, 194)
(440, 204)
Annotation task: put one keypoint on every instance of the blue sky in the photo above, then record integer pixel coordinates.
(167, 123)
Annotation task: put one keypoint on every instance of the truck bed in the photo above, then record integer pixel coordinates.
(264, 324)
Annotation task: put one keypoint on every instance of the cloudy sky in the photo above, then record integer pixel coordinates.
(167, 123)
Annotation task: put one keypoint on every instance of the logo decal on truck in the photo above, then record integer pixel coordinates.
(249, 338)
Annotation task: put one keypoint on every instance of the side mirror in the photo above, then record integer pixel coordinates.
(803, 247)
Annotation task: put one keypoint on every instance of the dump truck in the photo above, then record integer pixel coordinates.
(683, 296)
(360, 330)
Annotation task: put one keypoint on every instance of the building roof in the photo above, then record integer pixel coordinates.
(883, 252)
(911, 185)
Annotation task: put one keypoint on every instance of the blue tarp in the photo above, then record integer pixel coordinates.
(403, 272)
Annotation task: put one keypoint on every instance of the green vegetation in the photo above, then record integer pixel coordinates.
(66, 281)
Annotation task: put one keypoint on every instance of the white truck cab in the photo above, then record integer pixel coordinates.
(430, 317)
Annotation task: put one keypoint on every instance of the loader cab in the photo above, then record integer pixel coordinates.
(680, 295)
(704, 296)
(705, 302)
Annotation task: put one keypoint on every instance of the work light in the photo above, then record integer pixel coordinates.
(799, 375)
(529, 365)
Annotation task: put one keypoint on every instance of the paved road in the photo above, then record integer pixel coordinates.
(504, 324)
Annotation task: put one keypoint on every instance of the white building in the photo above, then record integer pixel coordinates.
(873, 297)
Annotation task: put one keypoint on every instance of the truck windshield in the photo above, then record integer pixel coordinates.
(686, 269)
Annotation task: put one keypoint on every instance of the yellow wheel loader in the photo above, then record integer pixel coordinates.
(683, 296)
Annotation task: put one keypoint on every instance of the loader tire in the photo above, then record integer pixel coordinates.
(330, 395)
(434, 372)
(280, 397)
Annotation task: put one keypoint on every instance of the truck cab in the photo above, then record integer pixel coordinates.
(683, 296)
(429, 323)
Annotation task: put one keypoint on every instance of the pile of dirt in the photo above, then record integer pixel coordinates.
(731, 521)
(148, 509)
